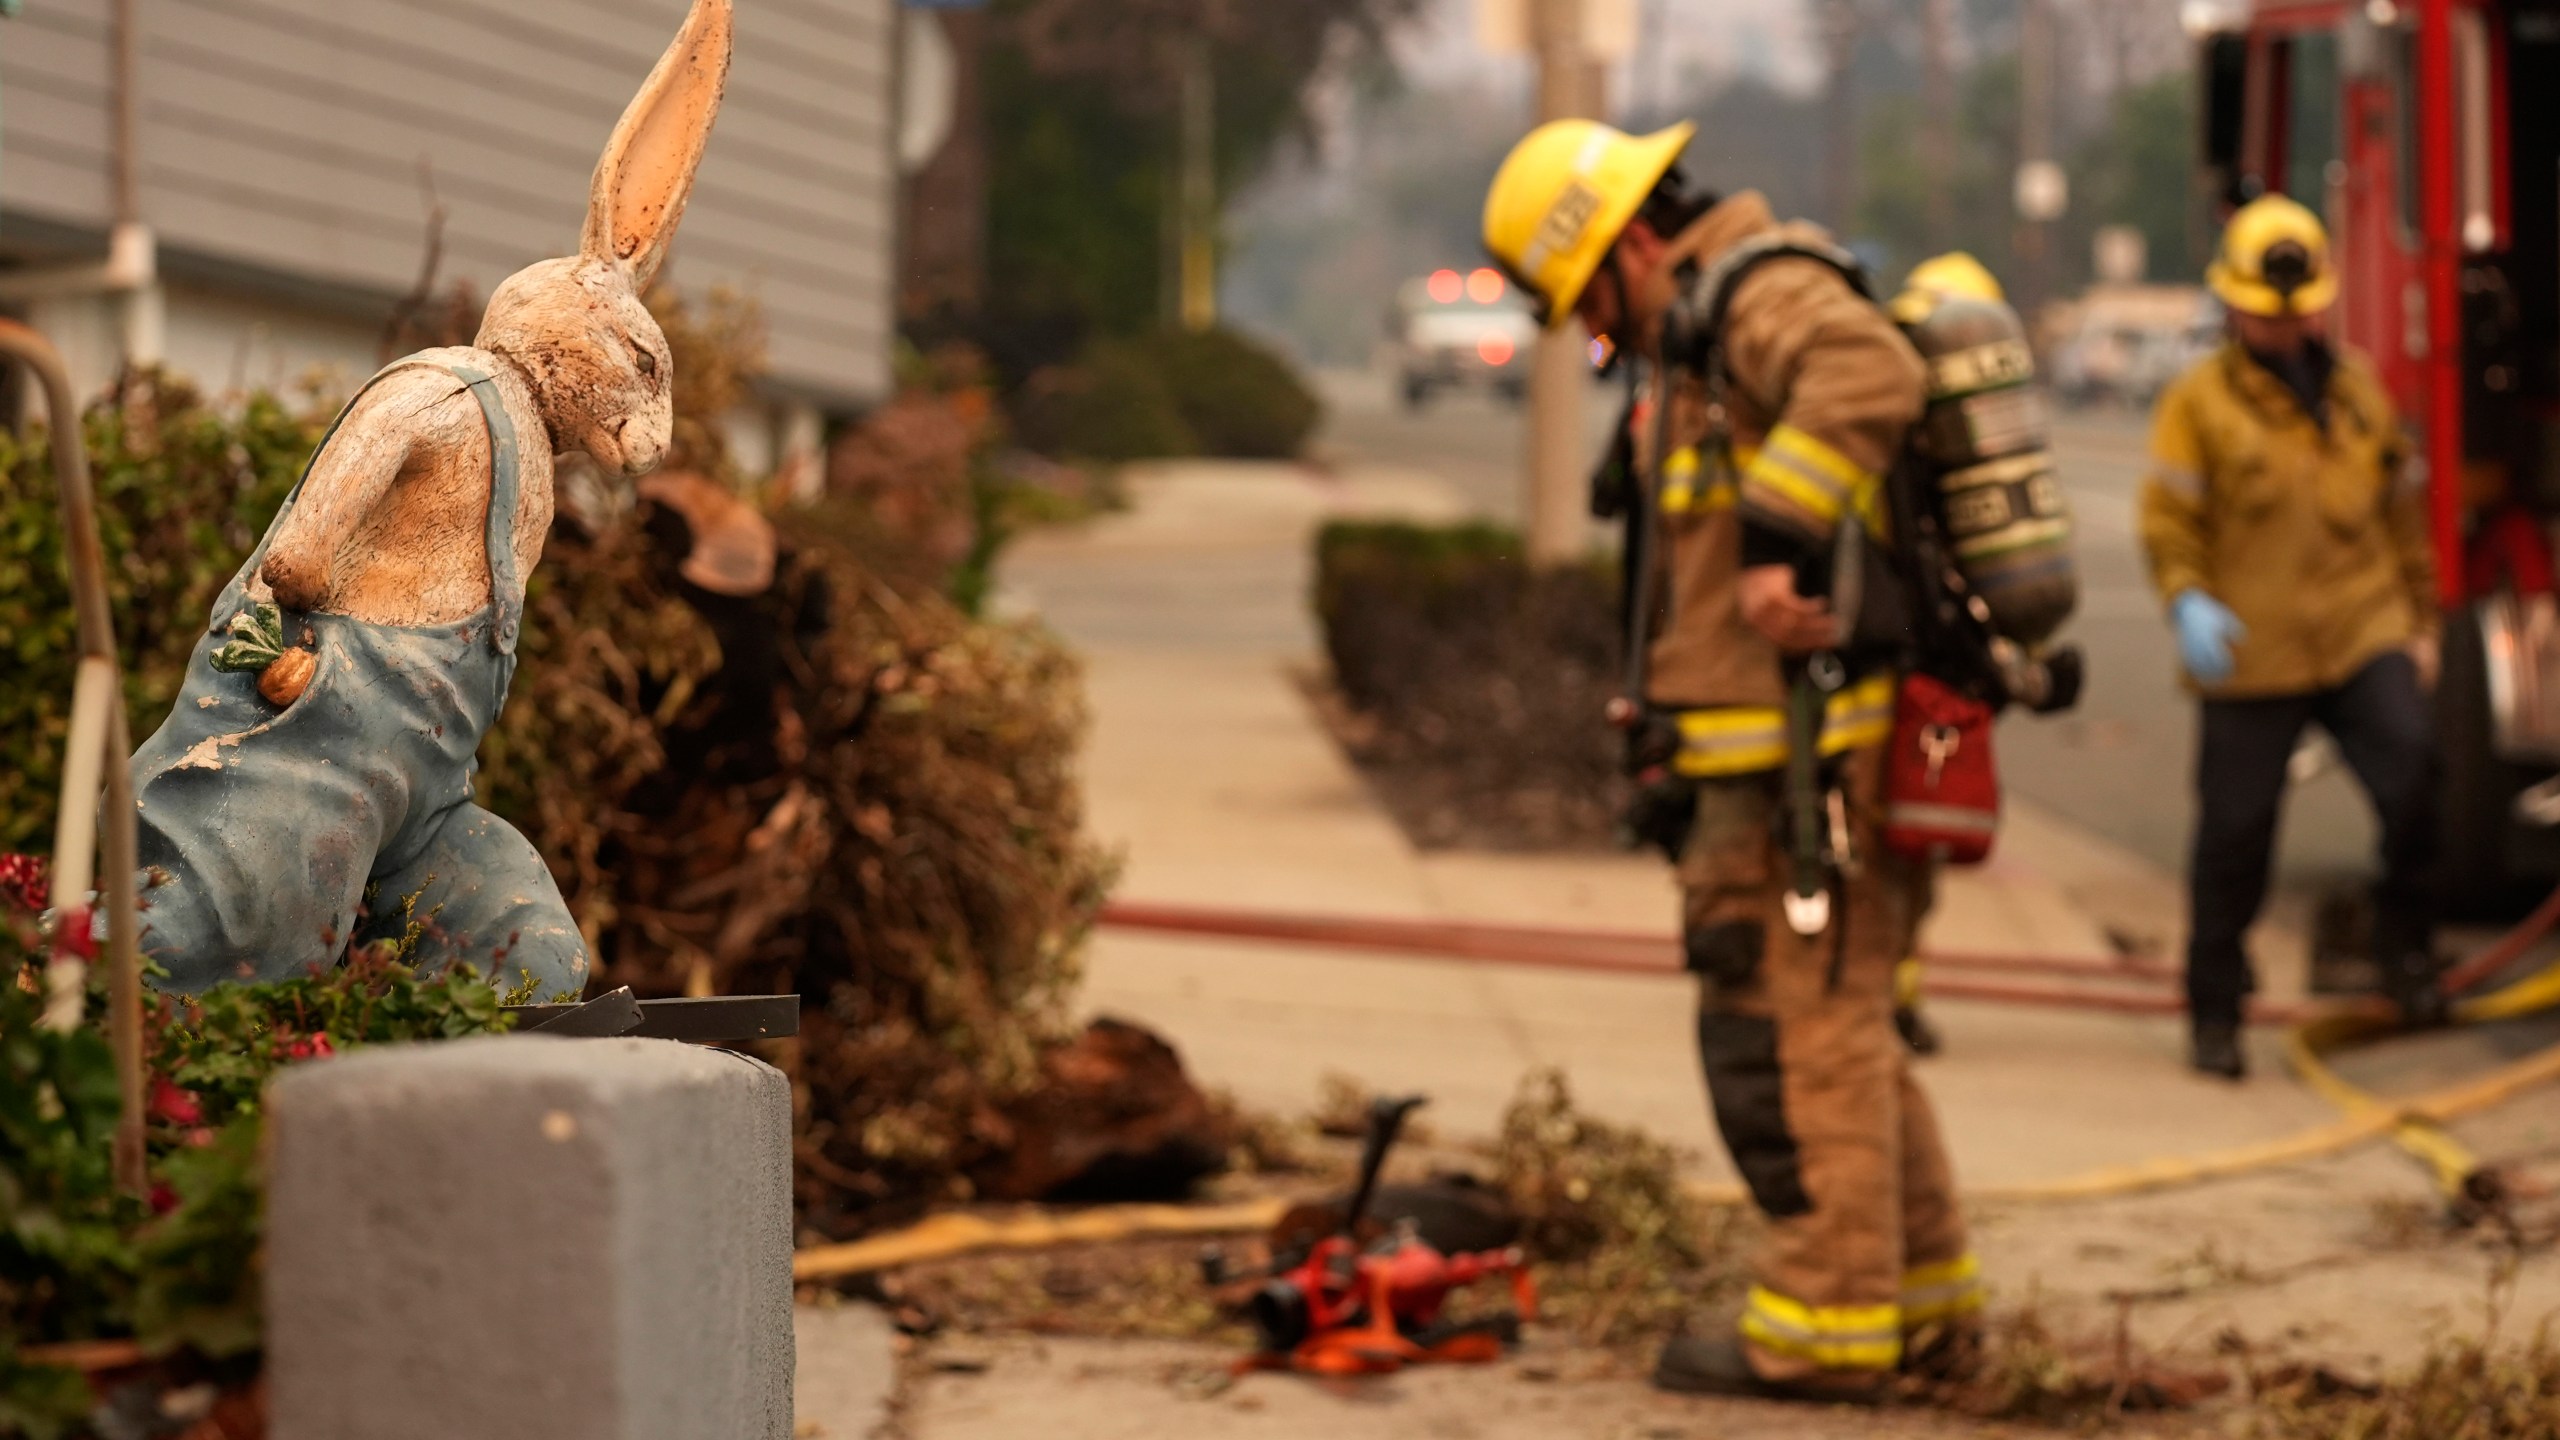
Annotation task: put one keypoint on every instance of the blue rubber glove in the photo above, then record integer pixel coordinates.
(2206, 632)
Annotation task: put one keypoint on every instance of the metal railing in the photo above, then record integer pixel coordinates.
(94, 760)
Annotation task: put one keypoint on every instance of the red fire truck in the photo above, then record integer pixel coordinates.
(2428, 133)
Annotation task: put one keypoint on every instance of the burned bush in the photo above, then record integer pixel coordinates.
(835, 788)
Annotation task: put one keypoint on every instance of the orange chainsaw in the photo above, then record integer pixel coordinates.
(1339, 1306)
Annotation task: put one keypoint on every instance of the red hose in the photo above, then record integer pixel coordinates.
(1630, 953)
(1610, 951)
(1623, 952)
(2503, 951)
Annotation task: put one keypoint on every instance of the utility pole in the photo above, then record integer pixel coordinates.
(1938, 97)
(1560, 376)
(943, 213)
(1649, 77)
(132, 255)
(2043, 189)
(1199, 285)
(1841, 25)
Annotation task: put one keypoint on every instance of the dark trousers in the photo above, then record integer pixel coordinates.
(2381, 723)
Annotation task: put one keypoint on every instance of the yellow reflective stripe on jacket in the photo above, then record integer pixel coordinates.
(1802, 474)
(1941, 1292)
(1835, 1337)
(1746, 739)
(1689, 486)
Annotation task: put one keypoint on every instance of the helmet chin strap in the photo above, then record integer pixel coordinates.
(1617, 278)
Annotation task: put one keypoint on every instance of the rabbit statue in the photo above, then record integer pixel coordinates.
(311, 789)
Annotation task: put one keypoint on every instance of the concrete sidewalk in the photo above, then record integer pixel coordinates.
(1210, 772)
(1209, 769)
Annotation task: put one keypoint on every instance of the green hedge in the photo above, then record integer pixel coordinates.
(184, 490)
(178, 1270)
(1241, 401)
(1485, 680)
(1392, 595)
(1169, 394)
(1112, 405)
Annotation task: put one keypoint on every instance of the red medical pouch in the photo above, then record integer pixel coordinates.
(1941, 789)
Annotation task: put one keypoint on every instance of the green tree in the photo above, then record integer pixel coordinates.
(1083, 101)
(2139, 170)
(1900, 209)
(2133, 170)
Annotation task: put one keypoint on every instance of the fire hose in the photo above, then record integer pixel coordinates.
(2116, 985)
(2415, 1123)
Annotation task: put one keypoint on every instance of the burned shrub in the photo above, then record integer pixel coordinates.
(835, 788)
(2471, 1388)
(1626, 1254)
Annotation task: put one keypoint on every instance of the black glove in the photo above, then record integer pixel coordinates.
(1665, 804)
(1653, 742)
(1660, 815)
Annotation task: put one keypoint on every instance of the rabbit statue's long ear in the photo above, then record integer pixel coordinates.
(647, 169)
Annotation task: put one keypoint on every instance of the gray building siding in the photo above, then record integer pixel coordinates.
(287, 136)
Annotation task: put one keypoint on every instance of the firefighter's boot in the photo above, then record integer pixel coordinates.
(1909, 1020)
(1718, 1365)
(2218, 1050)
(2404, 954)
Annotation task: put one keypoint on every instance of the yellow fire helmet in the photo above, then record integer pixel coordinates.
(1952, 276)
(1562, 196)
(2274, 260)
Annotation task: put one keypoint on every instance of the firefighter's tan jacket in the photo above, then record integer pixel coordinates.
(1822, 389)
(2315, 538)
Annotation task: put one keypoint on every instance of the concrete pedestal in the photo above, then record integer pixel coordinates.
(522, 1237)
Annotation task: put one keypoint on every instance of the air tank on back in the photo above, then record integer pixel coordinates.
(1989, 432)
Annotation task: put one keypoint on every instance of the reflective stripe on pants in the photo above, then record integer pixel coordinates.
(1828, 1337)
(1946, 1291)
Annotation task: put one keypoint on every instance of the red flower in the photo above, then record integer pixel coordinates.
(163, 1199)
(23, 885)
(171, 1105)
(309, 1047)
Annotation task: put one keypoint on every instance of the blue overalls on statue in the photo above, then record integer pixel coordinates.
(271, 840)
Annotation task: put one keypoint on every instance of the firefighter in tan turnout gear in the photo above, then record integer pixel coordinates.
(1764, 464)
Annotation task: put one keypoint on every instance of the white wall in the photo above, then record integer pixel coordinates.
(286, 137)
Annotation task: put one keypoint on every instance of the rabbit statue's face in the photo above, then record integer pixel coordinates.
(598, 362)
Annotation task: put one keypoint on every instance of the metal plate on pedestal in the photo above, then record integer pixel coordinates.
(709, 1020)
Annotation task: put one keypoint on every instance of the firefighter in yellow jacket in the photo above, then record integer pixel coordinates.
(2290, 542)
(1808, 1082)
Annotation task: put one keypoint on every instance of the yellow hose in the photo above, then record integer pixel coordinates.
(2459, 1174)
(2416, 1124)
(941, 1237)
(2369, 1119)
(2306, 1050)
(2536, 992)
